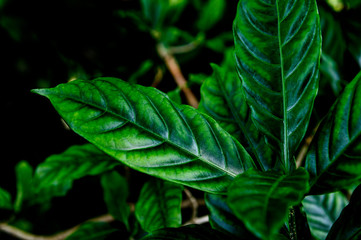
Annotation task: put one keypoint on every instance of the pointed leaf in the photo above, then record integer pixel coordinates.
(190, 232)
(159, 205)
(278, 46)
(322, 211)
(24, 184)
(222, 99)
(115, 196)
(142, 128)
(5, 200)
(348, 225)
(262, 199)
(334, 157)
(92, 231)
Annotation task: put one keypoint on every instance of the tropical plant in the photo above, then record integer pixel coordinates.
(247, 146)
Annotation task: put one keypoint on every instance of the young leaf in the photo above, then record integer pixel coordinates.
(348, 225)
(92, 231)
(115, 196)
(322, 211)
(278, 46)
(142, 128)
(333, 160)
(76, 162)
(222, 99)
(24, 184)
(159, 205)
(190, 232)
(223, 219)
(210, 14)
(262, 199)
(5, 200)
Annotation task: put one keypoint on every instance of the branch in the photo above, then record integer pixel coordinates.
(304, 149)
(177, 74)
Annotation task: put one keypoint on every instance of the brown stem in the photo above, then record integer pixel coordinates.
(177, 74)
(193, 203)
(304, 149)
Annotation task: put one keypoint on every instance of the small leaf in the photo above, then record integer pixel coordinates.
(142, 128)
(333, 160)
(24, 184)
(159, 205)
(348, 225)
(5, 200)
(210, 14)
(190, 232)
(322, 211)
(92, 231)
(262, 199)
(115, 196)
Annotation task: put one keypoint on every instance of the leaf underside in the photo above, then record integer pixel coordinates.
(277, 50)
(142, 128)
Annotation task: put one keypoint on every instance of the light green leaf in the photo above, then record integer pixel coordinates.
(333, 160)
(92, 231)
(5, 200)
(159, 205)
(322, 211)
(190, 232)
(115, 196)
(348, 225)
(222, 99)
(210, 14)
(142, 128)
(24, 184)
(262, 199)
(278, 46)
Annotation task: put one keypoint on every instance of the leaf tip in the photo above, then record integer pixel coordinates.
(41, 91)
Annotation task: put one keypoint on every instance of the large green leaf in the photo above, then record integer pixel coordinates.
(5, 199)
(322, 211)
(115, 196)
(159, 205)
(142, 128)
(334, 157)
(278, 45)
(262, 199)
(190, 232)
(222, 99)
(348, 225)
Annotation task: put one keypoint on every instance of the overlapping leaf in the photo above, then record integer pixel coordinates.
(334, 157)
(159, 205)
(322, 211)
(278, 45)
(142, 128)
(5, 199)
(222, 99)
(262, 199)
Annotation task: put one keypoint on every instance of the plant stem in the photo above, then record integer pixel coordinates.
(177, 74)
(292, 224)
(304, 149)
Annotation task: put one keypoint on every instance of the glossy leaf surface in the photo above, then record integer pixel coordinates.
(142, 128)
(190, 232)
(334, 157)
(159, 205)
(278, 46)
(222, 99)
(262, 199)
(92, 231)
(115, 196)
(5, 199)
(322, 211)
(348, 225)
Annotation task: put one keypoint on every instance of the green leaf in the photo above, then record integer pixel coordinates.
(322, 211)
(92, 231)
(278, 46)
(190, 232)
(210, 14)
(348, 225)
(5, 200)
(142, 128)
(222, 99)
(24, 184)
(333, 160)
(74, 163)
(115, 196)
(159, 205)
(262, 199)
(223, 219)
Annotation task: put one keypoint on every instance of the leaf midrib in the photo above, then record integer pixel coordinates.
(74, 98)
